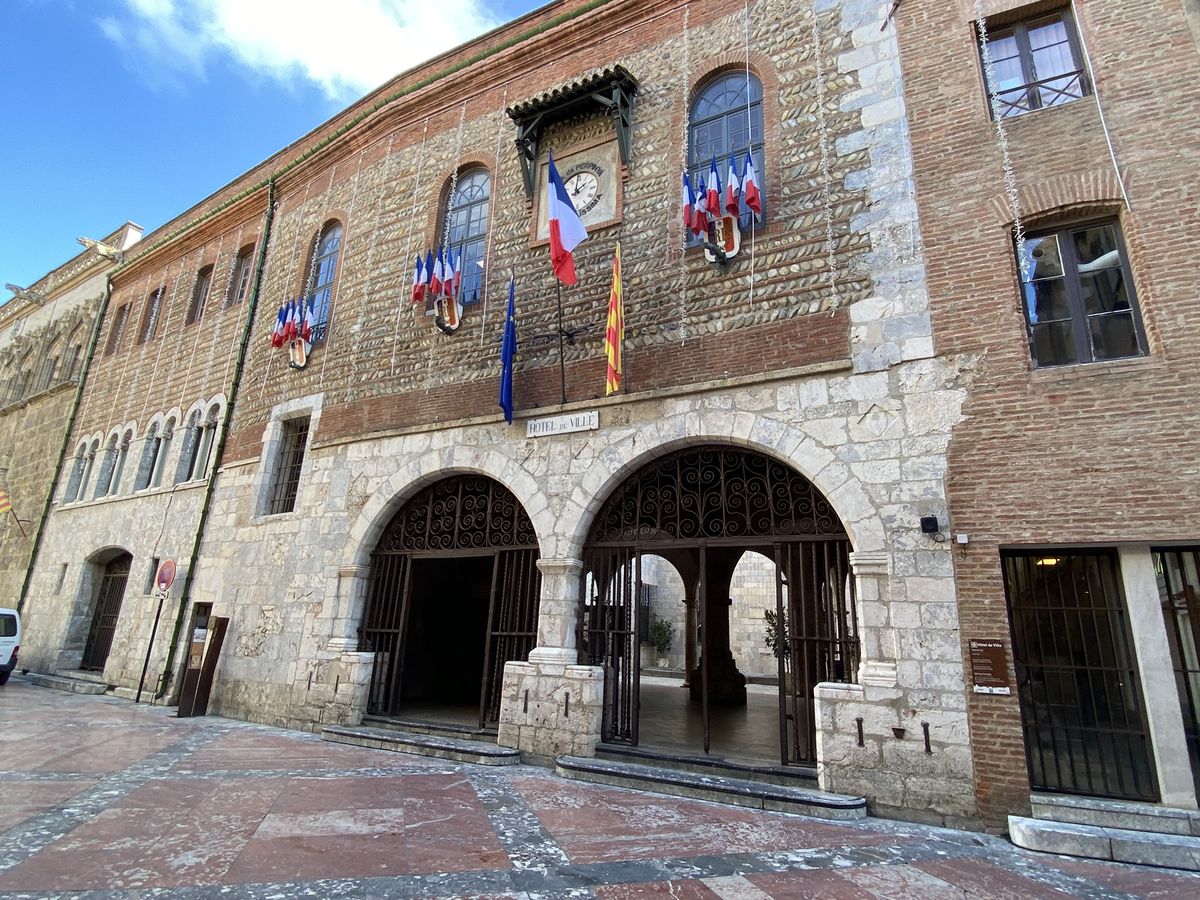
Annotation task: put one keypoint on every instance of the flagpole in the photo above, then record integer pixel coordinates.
(562, 366)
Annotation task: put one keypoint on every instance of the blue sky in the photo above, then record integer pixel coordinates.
(118, 110)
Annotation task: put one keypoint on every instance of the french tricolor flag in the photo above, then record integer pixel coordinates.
(689, 201)
(566, 230)
(750, 187)
(731, 190)
(700, 213)
(714, 189)
(458, 274)
(449, 276)
(435, 279)
(418, 285)
(277, 334)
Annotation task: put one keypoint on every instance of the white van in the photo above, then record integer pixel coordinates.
(10, 641)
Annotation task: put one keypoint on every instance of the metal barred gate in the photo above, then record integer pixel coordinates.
(108, 610)
(687, 506)
(465, 516)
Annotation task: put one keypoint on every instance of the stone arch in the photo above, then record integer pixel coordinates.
(770, 437)
(422, 471)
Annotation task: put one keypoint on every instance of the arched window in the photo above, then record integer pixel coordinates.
(89, 462)
(151, 315)
(71, 493)
(74, 353)
(191, 444)
(467, 215)
(200, 292)
(24, 377)
(119, 468)
(163, 451)
(50, 365)
(207, 436)
(322, 277)
(725, 121)
(105, 483)
(150, 455)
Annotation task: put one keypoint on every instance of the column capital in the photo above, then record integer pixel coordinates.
(354, 572)
(561, 567)
(871, 563)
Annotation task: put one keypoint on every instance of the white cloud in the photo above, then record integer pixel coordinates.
(345, 47)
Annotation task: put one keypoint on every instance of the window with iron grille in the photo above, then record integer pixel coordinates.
(1079, 300)
(1037, 63)
(291, 459)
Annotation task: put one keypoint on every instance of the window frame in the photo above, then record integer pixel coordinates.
(1030, 87)
(697, 169)
(239, 277)
(117, 334)
(289, 465)
(324, 307)
(1079, 317)
(151, 314)
(201, 292)
(451, 211)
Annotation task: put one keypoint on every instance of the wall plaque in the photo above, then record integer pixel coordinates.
(583, 421)
(989, 667)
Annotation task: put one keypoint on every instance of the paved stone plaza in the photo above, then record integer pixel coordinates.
(98, 795)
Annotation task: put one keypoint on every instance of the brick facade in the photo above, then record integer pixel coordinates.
(1073, 455)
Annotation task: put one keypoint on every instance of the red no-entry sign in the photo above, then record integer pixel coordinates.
(166, 574)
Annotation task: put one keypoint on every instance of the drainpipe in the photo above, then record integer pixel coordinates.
(210, 487)
(66, 441)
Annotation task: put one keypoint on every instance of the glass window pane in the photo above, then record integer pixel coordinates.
(1096, 248)
(1006, 62)
(1053, 344)
(1114, 336)
(1046, 301)
(1104, 292)
(1042, 257)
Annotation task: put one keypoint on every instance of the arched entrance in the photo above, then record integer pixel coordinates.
(702, 510)
(453, 596)
(106, 612)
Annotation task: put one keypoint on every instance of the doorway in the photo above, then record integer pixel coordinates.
(453, 595)
(106, 613)
(703, 510)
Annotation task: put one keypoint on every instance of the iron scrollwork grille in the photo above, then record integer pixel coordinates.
(466, 512)
(714, 493)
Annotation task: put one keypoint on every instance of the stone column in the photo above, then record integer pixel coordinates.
(877, 666)
(549, 705)
(349, 603)
(1164, 718)
(558, 612)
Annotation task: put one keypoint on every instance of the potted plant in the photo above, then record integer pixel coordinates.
(660, 636)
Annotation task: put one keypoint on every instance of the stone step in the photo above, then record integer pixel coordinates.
(698, 786)
(441, 729)
(1175, 851)
(792, 776)
(1121, 814)
(478, 752)
(68, 683)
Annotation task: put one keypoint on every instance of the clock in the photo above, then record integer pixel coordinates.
(583, 187)
(593, 178)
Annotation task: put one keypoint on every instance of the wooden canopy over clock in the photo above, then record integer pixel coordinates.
(611, 91)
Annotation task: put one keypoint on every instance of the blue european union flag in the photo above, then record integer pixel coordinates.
(507, 352)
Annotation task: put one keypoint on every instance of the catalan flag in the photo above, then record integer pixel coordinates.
(614, 336)
(5, 502)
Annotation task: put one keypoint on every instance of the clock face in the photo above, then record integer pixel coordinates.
(583, 187)
(591, 176)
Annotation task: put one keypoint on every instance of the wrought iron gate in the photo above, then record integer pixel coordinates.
(108, 610)
(608, 635)
(1080, 695)
(1179, 592)
(465, 515)
(516, 586)
(708, 497)
(816, 616)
